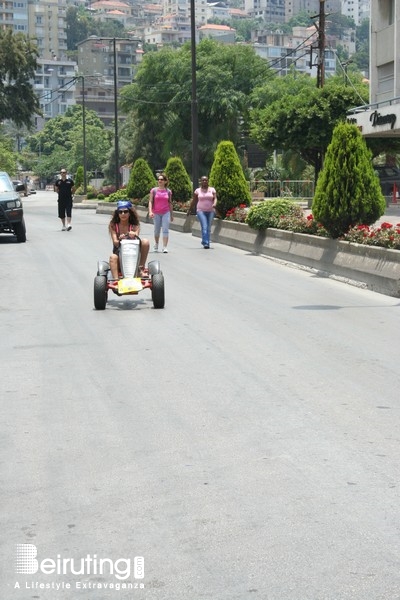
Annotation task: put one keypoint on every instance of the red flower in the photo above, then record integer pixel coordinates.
(386, 225)
(309, 217)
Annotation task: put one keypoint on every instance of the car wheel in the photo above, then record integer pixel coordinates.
(100, 292)
(20, 231)
(158, 290)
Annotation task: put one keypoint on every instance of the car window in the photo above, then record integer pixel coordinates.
(5, 184)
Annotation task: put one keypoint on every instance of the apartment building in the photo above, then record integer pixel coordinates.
(103, 69)
(358, 10)
(271, 11)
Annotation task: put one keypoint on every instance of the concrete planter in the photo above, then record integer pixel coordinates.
(374, 268)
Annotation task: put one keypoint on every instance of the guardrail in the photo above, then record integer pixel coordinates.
(283, 188)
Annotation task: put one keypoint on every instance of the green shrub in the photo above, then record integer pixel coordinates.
(141, 179)
(100, 196)
(145, 201)
(348, 191)
(178, 180)
(91, 195)
(228, 179)
(270, 212)
(119, 195)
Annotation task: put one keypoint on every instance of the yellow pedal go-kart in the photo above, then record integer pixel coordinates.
(131, 281)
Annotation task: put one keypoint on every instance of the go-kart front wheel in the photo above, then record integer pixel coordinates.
(157, 290)
(100, 292)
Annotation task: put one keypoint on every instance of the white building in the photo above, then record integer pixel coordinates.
(358, 10)
(381, 118)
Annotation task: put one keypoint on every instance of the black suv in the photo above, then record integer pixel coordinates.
(388, 176)
(11, 211)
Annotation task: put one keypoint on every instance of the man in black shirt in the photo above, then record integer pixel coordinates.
(65, 187)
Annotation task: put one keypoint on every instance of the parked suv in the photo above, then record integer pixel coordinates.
(388, 176)
(11, 210)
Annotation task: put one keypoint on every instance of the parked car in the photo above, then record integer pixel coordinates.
(388, 176)
(11, 209)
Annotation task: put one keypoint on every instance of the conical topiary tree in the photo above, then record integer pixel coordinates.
(228, 179)
(141, 180)
(79, 177)
(348, 191)
(178, 180)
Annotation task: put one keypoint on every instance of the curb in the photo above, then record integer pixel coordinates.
(370, 267)
(376, 269)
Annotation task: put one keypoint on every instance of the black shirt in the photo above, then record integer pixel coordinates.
(64, 187)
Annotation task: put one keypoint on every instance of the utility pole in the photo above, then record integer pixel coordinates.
(321, 45)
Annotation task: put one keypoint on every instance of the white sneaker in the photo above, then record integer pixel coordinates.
(165, 250)
(63, 228)
(155, 248)
(69, 227)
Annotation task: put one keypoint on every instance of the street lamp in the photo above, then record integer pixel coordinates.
(116, 144)
(81, 77)
(195, 124)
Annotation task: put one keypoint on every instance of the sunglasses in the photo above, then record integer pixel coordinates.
(123, 212)
(161, 179)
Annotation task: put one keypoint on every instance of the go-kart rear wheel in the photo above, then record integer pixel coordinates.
(157, 290)
(100, 292)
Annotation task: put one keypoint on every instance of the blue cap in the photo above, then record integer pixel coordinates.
(124, 204)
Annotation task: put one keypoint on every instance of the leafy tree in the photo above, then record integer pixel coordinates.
(178, 179)
(228, 179)
(8, 158)
(159, 102)
(141, 179)
(81, 25)
(348, 191)
(18, 62)
(60, 143)
(304, 122)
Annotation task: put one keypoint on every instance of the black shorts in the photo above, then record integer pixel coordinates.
(64, 208)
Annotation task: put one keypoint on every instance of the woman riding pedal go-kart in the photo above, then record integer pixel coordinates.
(126, 272)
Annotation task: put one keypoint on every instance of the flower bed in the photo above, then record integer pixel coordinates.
(385, 235)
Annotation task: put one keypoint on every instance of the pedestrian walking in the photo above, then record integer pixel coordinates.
(205, 202)
(65, 187)
(161, 210)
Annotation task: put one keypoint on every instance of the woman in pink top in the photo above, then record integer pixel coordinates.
(205, 200)
(160, 209)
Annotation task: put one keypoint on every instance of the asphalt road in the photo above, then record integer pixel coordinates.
(244, 440)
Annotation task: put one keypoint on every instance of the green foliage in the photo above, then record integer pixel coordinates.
(270, 212)
(18, 62)
(303, 117)
(159, 103)
(79, 177)
(178, 179)
(91, 195)
(141, 179)
(118, 195)
(100, 196)
(81, 25)
(348, 191)
(8, 159)
(228, 179)
(60, 143)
